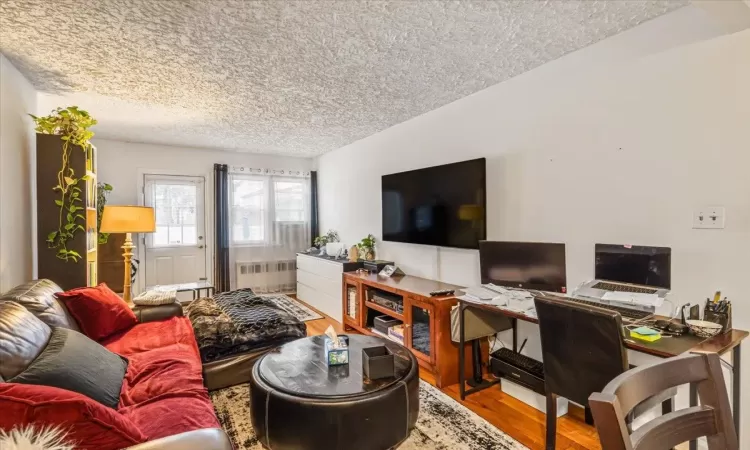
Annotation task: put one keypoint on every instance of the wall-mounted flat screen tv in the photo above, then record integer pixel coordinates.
(442, 205)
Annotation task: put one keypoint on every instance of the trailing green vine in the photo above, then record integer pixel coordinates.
(102, 192)
(72, 125)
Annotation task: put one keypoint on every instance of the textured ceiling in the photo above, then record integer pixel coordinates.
(289, 77)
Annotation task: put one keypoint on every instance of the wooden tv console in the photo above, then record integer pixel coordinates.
(425, 318)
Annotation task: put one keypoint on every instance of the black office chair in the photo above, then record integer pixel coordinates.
(582, 351)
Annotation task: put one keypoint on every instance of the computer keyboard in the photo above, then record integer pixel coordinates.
(633, 314)
(603, 285)
(530, 365)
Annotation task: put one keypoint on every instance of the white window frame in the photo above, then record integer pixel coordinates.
(268, 211)
(270, 218)
(305, 199)
(177, 181)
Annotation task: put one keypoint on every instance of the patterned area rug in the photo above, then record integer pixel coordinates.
(293, 307)
(443, 423)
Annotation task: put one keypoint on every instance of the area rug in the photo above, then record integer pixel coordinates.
(293, 307)
(443, 424)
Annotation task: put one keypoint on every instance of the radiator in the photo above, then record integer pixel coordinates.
(267, 276)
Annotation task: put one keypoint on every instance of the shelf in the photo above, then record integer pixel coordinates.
(385, 336)
(385, 310)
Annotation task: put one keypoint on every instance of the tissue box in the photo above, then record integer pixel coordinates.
(337, 356)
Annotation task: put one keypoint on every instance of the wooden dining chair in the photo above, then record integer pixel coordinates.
(712, 418)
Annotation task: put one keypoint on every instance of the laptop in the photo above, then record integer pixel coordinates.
(629, 274)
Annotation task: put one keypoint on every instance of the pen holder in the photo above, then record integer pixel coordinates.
(723, 318)
(336, 356)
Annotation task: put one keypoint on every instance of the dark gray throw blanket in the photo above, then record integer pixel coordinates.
(239, 321)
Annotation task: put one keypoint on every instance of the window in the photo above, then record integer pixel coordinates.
(260, 204)
(248, 210)
(175, 207)
(289, 202)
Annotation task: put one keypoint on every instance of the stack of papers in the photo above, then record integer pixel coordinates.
(485, 292)
(515, 300)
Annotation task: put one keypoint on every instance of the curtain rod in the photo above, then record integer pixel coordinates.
(266, 171)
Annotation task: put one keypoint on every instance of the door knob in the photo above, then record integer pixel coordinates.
(200, 246)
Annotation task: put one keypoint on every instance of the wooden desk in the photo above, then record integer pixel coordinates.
(663, 348)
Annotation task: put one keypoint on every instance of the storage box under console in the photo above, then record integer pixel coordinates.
(383, 323)
(521, 369)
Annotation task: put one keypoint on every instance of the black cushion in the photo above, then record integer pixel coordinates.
(74, 362)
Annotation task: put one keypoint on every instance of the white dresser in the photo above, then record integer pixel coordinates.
(319, 282)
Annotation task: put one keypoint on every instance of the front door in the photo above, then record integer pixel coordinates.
(176, 252)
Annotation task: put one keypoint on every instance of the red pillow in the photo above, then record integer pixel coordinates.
(99, 311)
(88, 424)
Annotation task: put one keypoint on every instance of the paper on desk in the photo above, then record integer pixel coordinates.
(485, 292)
(497, 301)
(633, 298)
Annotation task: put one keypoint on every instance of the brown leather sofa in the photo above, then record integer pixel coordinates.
(38, 297)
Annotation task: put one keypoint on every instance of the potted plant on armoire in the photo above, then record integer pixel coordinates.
(66, 198)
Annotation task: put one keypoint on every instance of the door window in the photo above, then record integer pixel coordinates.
(176, 205)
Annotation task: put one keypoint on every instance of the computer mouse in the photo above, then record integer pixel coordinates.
(677, 328)
(662, 324)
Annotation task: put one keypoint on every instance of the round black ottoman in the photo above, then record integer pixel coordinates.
(298, 402)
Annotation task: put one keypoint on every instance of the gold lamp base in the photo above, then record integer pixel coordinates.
(127, 253)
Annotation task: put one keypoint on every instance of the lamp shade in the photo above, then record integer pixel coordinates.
(128, 219)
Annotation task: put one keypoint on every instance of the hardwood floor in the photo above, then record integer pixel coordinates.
(515, 418)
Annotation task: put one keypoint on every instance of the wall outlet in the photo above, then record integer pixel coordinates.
(709, 217)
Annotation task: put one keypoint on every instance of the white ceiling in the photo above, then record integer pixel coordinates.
(288, 77)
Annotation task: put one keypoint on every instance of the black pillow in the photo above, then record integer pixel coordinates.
(74, 362)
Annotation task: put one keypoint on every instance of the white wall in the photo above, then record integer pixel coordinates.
(121, 164)
(17, 153)
(604, 145)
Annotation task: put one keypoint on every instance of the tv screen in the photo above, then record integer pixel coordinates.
(527, 265)
(442, 205)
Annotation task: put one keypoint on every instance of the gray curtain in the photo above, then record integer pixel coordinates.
(221, 211)
(314, 227)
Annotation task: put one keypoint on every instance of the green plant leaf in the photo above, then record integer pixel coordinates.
(72, 125)
(86, 177)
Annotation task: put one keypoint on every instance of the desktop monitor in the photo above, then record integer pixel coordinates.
(527, 265)
(634, 264)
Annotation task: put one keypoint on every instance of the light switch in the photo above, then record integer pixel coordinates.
(709, 217)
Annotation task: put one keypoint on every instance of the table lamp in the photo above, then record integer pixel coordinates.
(127, 219)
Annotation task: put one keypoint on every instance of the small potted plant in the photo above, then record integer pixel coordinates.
(367, 247)
(330, 241)
(333, 243)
